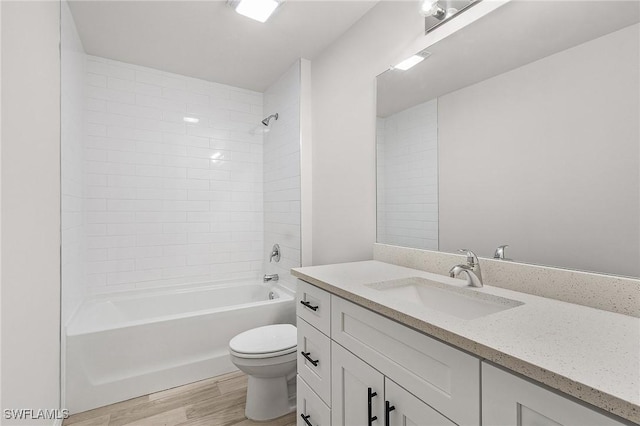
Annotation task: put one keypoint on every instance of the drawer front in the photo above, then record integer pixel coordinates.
(509, 399)
(314, 306)
(445, 378)
(311, 407)
(314, 359)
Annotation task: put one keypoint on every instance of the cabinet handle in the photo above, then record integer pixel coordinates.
(312, 361)
(309, 305)
(370, 419)
(306, 419)
(387, 409)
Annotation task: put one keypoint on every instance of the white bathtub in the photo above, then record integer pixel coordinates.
(138, 342)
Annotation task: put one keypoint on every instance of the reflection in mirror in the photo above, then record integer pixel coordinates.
(531, 140)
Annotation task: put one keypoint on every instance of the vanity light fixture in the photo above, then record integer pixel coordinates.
(191, 120)
(437, 12)
(412, 61)
(432, 8)
(258, 10)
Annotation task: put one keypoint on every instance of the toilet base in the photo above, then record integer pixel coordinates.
(269, 398)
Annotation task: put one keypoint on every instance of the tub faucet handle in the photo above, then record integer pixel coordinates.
(275, 253)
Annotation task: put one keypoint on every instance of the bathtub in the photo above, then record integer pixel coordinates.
(134, 343)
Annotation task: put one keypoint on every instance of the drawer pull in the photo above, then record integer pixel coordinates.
(312, 361)
(387, 409)
(309, 305)
(370, 419)
(306, 419)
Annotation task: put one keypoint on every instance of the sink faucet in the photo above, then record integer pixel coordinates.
(472, 269)
(270, 277)
(499, 254)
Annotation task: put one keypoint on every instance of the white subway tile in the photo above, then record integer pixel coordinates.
(133, 252)
(134, 110)
(160, 262)
(95, 104)
(132, 277)
(96, 80)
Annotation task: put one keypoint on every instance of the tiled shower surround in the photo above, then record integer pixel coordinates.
(282, 172)
(170, 200)
(407, 146)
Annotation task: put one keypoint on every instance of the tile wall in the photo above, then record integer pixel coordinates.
(282, 174)
(170, 200)
(407, 190)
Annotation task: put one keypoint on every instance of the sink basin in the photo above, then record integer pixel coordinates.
(459, 302)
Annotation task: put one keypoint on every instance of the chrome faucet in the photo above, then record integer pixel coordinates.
(499, 254)
(275, 253)
(270, 277)
(472, 269)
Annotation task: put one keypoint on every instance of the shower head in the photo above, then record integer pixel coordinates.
(268, 119)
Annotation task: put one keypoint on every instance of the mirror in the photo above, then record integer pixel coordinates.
(523, 128)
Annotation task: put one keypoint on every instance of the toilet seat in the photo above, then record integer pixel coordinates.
(265, 342)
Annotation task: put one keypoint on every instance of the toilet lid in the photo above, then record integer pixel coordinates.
(265, 340)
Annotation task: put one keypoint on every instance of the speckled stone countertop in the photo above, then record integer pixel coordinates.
(590, 354)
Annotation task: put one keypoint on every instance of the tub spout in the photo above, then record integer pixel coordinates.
(270, 277)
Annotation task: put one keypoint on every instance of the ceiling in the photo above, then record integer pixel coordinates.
(209, 40)
(518, 33)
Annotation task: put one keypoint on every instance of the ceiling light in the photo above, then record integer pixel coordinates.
(409, 62)
(259, 10)
(191, 120)
(412, 60)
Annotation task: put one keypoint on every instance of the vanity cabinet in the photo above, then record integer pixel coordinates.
(511, 400)
(361, 395)
(374, 362)
(364, 369)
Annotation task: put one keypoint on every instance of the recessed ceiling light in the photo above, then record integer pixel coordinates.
(412, 60)
(191, 120)
(259, 10)
(409, 62)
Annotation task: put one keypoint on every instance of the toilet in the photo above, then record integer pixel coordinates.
(268, 356)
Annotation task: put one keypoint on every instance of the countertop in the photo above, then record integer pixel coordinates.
(590, 354)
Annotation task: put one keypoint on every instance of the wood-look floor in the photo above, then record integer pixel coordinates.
(218, 401)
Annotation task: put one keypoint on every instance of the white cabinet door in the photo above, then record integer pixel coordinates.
(357, 390)
(404, 409)
(510, 400)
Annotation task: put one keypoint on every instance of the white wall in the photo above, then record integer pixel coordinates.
(72, 101)
(282, 174)
(407, 171)
(344, 111)
(555, 144)
(170, 202)
(30, 291)
(343, 86)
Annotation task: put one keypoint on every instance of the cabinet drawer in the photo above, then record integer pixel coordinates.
(314, 359)
(309, 404)
(509, 399)
(314, 306)
(444, 377)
